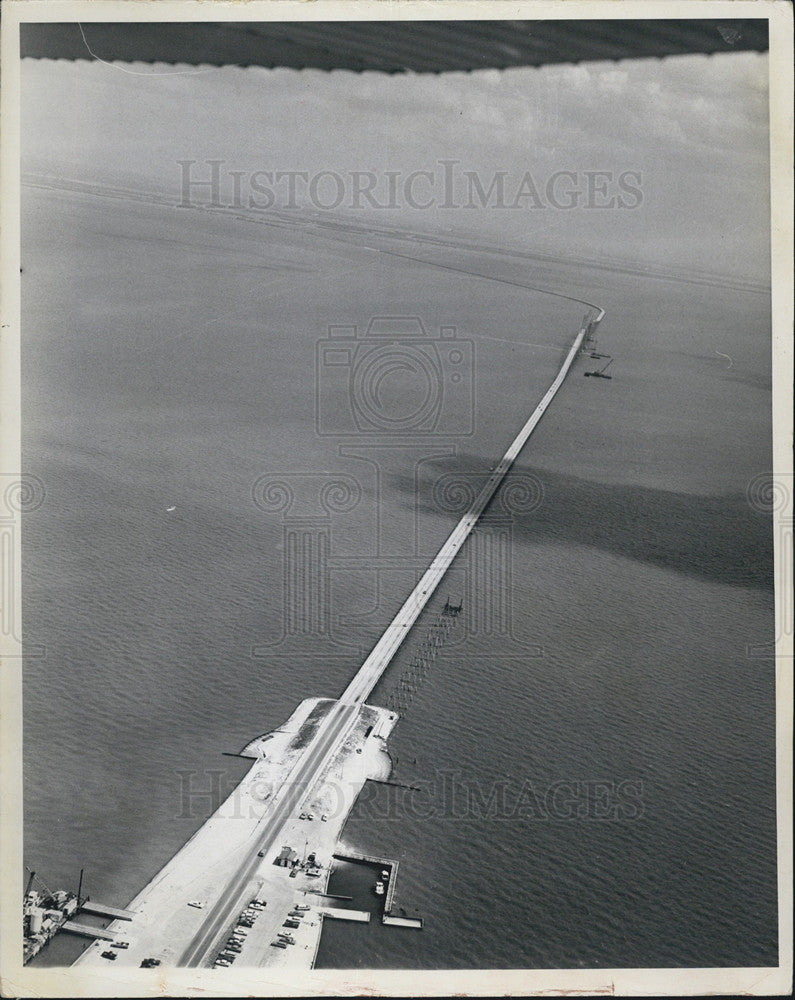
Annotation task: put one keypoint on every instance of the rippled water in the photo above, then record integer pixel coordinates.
(169, 360)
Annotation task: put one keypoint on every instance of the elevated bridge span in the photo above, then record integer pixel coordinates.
(379, 659)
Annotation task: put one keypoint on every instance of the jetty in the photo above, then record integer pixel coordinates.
(88, 930)
(103, 910)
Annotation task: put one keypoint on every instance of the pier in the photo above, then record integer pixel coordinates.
(88, 930)
(102, 910)
(333, 913)
(391, 921)
(396, 784)
(366, 859)
(385, 863)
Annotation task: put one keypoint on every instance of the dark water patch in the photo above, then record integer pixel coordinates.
(750, 380)
(718, 538)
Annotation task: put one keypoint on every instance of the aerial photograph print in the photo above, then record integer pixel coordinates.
(396, 499)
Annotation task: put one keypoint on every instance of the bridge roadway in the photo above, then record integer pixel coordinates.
(373, 667)
(336, 725)
(287, 800)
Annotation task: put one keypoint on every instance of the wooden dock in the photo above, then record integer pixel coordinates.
(395, 784)
(88, 930)
(336, 913)
(102, 910)
(390, 921)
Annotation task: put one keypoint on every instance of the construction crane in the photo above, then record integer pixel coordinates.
(43, 884)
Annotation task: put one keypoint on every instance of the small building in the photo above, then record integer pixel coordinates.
(288, 858)
(35, 921)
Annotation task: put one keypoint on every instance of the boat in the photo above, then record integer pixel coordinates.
(378, 888)
(385, 874)
(599, 373)
(44, 915)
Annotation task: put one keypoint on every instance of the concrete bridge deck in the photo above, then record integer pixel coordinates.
(379, 659)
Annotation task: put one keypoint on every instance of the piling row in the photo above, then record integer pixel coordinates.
(402, 695)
